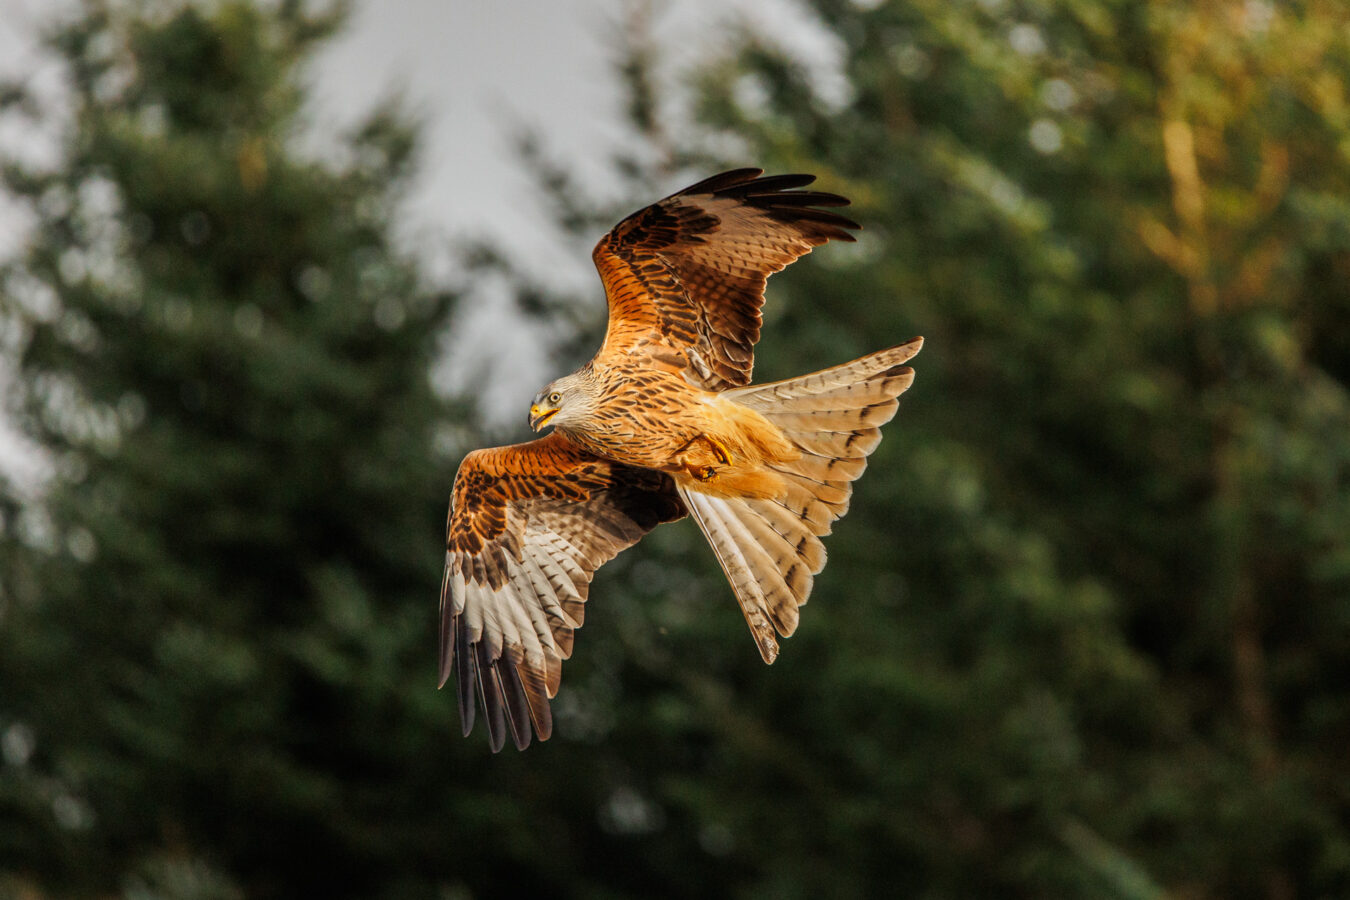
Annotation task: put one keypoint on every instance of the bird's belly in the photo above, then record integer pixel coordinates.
(700, 438)
(639, 433)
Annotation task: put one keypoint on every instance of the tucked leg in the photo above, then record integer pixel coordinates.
(702, 456)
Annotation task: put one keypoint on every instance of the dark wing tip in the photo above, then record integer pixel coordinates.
(447, 660)
(814, 222)
(505, 698)
(447, 644)
(722, 181)
(776, 195)
(513, 692)
(804, 198)
(534, 682)
(489, 691)
(466, 675)
(775, 183)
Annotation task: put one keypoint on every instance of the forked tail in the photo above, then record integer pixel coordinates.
(770, 548)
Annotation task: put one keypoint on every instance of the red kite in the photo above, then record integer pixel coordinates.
(663, 421)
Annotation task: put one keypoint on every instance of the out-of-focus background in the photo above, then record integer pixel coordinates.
(271, 268)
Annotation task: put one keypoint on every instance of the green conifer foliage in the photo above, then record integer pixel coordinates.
(216, 624)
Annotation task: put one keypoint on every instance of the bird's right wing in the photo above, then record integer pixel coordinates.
(529, 524)
(685, 276)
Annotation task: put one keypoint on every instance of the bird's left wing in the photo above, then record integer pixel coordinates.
(529, 524)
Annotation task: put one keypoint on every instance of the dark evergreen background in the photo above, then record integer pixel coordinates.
(1086, 632)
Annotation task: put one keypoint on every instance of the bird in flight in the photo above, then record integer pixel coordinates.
(663, 422)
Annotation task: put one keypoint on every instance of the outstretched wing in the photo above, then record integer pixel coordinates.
(685, 277)
(529, 525)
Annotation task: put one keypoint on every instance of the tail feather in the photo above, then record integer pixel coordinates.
(839, 421)
(801, 502)
(826, 469)
(843, 378)
(834, 495)
(804, 542)
(839, 444)
(781, 556)
(774, 576)
(738, 570)
(826, 400)
(769, 547)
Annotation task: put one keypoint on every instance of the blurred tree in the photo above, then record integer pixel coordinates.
(1085, 630)
(214, 656)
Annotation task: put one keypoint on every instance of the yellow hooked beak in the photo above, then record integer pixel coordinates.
(539, 416)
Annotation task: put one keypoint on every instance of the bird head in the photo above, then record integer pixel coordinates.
(559, 402)
(547, 403)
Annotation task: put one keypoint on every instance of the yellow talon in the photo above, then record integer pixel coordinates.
(695, 461)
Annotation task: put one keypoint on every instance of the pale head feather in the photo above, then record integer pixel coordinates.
(576, 398)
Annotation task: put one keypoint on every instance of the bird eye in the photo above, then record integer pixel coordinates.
(555, 398)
